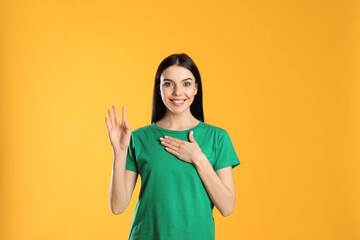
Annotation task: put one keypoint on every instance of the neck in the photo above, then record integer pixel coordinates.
(182, 120)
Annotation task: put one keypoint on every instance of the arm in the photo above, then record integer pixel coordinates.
(219, 185)
(122, 183)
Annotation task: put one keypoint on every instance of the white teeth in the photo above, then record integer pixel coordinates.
(177, 101)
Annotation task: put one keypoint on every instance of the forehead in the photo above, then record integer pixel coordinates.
(176, 73)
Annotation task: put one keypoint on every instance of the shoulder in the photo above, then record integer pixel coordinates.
(218, 131)
(141, 131)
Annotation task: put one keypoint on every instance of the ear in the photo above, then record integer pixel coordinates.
(196, 87)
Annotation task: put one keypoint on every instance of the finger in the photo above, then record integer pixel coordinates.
(173, 141)
(170, 145)
(172, 152)
(117, 120)
(111, 118)
(123, 114)
(191, 136)
(107, 124)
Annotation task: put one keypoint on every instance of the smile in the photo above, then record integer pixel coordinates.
(178, 103)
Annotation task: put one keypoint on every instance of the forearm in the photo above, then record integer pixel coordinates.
(220, 195)
(118, 198)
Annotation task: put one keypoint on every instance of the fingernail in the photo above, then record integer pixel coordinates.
(161, 139)
(166, 137)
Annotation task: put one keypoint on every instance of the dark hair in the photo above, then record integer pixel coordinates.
(183, 60)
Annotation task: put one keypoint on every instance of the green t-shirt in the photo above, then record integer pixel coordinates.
(173, 203)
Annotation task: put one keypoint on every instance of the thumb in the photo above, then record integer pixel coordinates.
(191, 136)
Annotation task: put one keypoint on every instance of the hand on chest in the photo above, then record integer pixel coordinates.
(154, 156)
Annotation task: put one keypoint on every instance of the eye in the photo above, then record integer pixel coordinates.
(168, 84)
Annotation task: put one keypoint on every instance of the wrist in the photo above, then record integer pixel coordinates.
(199, 160)
(118, 151)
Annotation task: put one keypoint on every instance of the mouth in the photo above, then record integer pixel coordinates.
(178, 102)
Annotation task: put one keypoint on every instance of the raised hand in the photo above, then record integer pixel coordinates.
(119, 132)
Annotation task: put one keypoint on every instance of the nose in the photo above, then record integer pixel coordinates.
(176, 91)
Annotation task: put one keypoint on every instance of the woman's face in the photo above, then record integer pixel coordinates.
(177, 83)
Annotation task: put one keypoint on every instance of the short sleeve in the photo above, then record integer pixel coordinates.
(225, 152)
(131, 157)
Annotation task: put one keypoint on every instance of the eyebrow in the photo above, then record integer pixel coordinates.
(181, 80)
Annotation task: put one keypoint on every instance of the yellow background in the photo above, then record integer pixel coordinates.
(282, 77)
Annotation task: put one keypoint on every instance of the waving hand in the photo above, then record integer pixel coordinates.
(119, 132)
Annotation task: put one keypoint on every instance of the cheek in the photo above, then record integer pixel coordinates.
(165, 91)
(191, 92)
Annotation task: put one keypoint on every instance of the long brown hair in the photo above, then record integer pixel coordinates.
(183, 60)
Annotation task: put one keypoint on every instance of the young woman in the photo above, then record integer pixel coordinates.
(185, 164)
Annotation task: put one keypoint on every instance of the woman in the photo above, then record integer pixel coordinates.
(185, 164)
